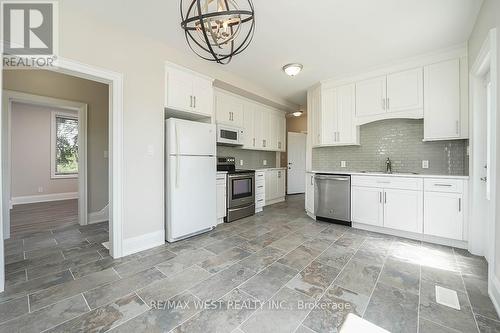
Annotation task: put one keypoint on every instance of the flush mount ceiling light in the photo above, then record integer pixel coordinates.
(217, 30)
(297, 113)
(292, 69)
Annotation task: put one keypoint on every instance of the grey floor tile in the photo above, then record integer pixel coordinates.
(314, 279)
(224, 259)
(254, 232)
(266, 283)
(402, 307)
(449, 279)
(461, 320)
(261, 259)
(304, 329)
(80, 250)
(290, 242)
(136, 266)
(260, 242)
(336, 256)
(25, 288)
(15, 277)
(477, 289)
(30, 245)
(55, 294)
(311, 231)
(330, 234)
(427, 326)
(358, 277)
(95, 266)
(402, 275)
(38, 271)
(351, 241)
(225, 244)
(487, 325)
(164, 317)
(284, 319)
(220, 284)
(47, 317)
(109, 292)
(300, 257)
(53, 249)
(13, 309)
(39, 261)
(235, 308)
(14, 258)
(334, 307)
(370, 254)
(166, 288)
(106, 317)
(183, 260)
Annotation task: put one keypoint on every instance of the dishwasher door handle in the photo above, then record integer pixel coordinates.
(343, 179)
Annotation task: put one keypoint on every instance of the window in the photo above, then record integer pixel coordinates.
(64, 145)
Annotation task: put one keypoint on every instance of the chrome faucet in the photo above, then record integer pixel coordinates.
(388, 165)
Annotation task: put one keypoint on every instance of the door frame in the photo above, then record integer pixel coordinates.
(9, 97)
(486, 60)
(116, 164)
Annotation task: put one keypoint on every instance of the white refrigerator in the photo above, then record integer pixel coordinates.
(191, 173)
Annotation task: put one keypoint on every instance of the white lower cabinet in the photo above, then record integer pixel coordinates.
(221, 197)
(403, 210)
(367, 205)
(310, 193)
(275, 186)
(260, 190)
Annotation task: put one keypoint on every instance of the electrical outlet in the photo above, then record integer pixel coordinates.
(241, 162)
(425, 164)
(343, 164)
(264, 162)
(40, 189)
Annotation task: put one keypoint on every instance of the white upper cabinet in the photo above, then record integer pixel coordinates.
(188, 92)
(444, 116)
(405, 91)
(314, 115)
(249, 125)
(229, 109)
(338, 126)
(371, 97)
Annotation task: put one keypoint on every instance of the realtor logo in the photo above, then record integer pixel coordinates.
(29, 33)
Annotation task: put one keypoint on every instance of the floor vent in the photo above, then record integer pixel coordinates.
(447, 297)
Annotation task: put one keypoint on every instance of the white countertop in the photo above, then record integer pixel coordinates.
(221, 172)
(381, 174)
(264, 169)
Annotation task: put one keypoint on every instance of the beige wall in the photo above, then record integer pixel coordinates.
(31, 152)
(489, 18)
(95, 95)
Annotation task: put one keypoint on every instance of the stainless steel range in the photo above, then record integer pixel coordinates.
(240, 189)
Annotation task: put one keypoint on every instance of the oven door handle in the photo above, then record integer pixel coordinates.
(241, 175)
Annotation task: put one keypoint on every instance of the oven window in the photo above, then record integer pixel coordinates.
(242, 188)
(230, 135)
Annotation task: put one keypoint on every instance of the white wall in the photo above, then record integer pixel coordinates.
(31, 152)
(489, 18)
(141, 60)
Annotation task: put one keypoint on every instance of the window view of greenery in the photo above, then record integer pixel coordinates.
(66, 146)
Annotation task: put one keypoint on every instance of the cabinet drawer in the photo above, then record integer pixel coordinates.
(389, 182)
(260, 175)
(260, 189)
(260, 201)
(444, 185)
(221, 181)
(260, 181)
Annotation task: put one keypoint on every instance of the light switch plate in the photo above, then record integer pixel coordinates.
(425, 164)
(264, 162)
(241, 162)
(40, 189)
(343, 164)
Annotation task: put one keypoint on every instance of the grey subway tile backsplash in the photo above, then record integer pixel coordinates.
(402, 141)
(252, 159)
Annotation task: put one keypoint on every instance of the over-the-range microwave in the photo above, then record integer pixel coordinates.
(230, 136)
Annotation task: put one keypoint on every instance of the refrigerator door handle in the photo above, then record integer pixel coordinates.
(176, 157)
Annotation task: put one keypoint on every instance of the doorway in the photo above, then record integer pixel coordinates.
(296, 163)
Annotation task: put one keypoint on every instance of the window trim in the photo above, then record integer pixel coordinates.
(53, 134)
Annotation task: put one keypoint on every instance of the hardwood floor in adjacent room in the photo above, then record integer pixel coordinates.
(39, 217)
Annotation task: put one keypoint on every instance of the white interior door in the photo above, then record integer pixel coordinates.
(296, 163)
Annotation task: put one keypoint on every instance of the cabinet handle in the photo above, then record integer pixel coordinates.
(385, 197)
(443, 185)
(380, 197)
(388, 105)
(191, 101)
(457, 127)
(194, 101)
(312, 178)
(460, 204)
(254, 142)
(383, 103)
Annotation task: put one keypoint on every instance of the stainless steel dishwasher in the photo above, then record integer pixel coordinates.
(332, 198)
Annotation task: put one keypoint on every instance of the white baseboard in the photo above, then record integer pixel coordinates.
(43, 198)
(100, 216)
(494, 292)
(274, 201)
(143, 242)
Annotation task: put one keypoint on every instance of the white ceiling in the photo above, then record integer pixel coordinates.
(329, 37)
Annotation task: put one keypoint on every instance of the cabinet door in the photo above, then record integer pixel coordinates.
(443, 215)
(316, 116)
(282, 133)
(366, 205)
(179, 94)
(310, 193)
(273, 131)
(403, 210)
(329, 108)
(370, 97)
(229, 109)
(442, 100)
(280, 188)
(271, 185)
(203, 96)
(405, 91)
(265, 126)
(249, 138)
(221, 201)
(258, 127)
(346, 127)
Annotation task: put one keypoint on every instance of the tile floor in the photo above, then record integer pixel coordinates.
(275, 272)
